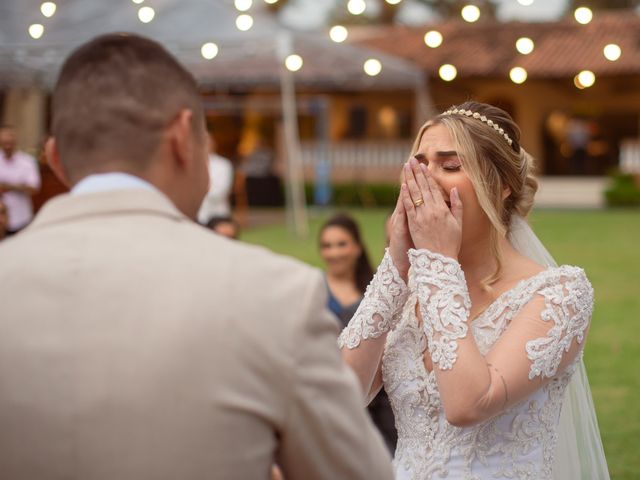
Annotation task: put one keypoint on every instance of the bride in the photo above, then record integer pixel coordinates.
(474, 331)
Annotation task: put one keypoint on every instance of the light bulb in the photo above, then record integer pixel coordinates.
(447, 72)
(525, 45)
(48, 9)
(293, 62)
(583, 15)
(356, 7)
(209, 50)
(372, 67)
(146, 14)
(584, 79)
(338, 33)
(612, 52)
(244, 22)
(433, 38)
(518, 75)
(36, 30)
(470, 13)
(243, 5)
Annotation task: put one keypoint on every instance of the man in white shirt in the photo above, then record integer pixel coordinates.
(19, 180)
(216, 202)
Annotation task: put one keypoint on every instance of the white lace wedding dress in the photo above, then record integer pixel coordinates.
(520, 442)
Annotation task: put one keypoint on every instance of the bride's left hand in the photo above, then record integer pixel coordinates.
(432, 224)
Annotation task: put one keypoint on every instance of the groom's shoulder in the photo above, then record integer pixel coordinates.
(237, 259)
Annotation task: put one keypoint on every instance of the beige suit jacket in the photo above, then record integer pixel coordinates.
(135, 344)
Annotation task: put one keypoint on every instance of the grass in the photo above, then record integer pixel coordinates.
(607, 245)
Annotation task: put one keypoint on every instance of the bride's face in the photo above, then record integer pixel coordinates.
(438, 152)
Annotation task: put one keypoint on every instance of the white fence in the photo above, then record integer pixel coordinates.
(630, 156)
(357, 153)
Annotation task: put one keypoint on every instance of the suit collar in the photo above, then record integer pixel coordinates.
(68, 207)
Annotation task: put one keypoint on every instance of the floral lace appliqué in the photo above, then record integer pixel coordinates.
(569, 305)
(381, 307)
(444, 303)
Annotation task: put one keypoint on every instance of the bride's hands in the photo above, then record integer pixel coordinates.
(431, 223)
(400, 239)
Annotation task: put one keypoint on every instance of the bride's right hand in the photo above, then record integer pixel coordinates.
(400, 239)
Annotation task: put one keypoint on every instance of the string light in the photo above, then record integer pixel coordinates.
(271, 2)
(48, 9)
(433, 39)
(36, 30)
(584, 79)
(293, 62)
(583, 15)
(244, 22)
(243, 5)
(525, 45)
(372, 67)
(447, 72)
(338, 33)
(525, 3)
(518, 75)
(470, 13)
(146, 14)
(209, 50)
(356, 7)
(393, 2)
(137, 2)
(612, 52)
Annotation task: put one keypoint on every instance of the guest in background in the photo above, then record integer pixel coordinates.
(216, 202)
(19, 181)
(224, 226)
(348, 273)
(4, 220)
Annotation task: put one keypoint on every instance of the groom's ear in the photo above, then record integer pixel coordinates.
(53, 160)
(181, 139)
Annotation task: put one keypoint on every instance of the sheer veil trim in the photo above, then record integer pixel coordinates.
(579, 452)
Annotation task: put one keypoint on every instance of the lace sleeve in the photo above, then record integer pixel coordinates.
(568, 305)
(444, 303)
(381, 307)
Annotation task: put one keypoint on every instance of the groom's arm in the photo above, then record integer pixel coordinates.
(327, 434)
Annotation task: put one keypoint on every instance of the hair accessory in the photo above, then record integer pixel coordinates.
(482, 118)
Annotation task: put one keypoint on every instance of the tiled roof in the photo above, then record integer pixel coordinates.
(487, 49)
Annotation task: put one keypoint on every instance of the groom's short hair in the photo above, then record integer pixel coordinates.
(114, 97)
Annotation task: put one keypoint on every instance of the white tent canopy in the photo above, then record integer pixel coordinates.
(183, 26)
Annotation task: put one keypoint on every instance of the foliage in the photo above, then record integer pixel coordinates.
(359, 195)
(623, 192)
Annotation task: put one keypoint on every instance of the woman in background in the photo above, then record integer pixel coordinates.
(348, 272)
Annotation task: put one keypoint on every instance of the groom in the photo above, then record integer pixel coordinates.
(135, 344)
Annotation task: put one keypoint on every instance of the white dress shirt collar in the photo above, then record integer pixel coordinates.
(103, 182)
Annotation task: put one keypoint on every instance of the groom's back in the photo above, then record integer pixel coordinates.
(134, 344)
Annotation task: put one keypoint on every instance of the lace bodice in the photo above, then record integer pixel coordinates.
(520, 441)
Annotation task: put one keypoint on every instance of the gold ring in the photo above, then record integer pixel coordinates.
(418, 202)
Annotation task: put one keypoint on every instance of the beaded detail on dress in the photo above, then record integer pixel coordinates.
(518, 443)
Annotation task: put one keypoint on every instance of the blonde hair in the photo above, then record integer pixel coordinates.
(493, 166)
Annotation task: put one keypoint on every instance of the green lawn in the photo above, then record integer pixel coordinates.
(607, 245)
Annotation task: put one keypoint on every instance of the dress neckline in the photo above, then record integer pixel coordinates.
(511, 292)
